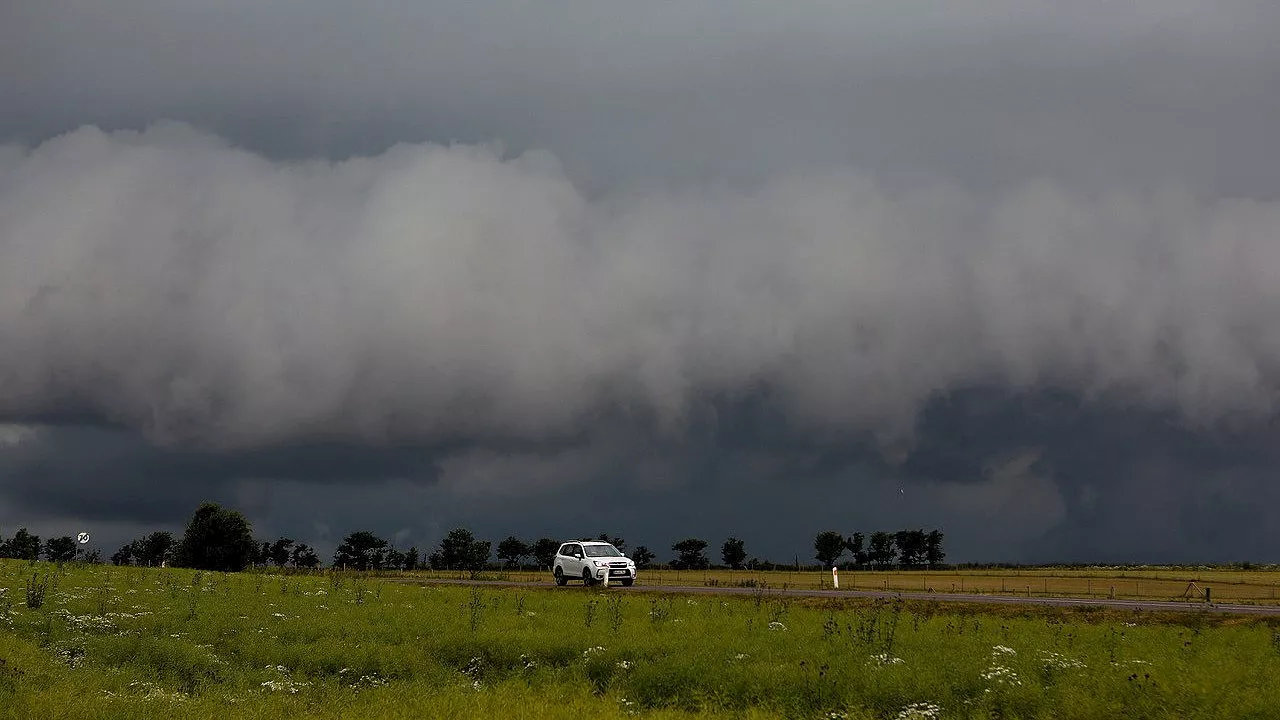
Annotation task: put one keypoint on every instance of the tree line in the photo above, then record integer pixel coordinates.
(218, 538)
(905, 549)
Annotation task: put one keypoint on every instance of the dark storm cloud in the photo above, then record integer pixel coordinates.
(985, 90)
(834, 248)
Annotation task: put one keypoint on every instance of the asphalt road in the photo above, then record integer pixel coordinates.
(1141, 605)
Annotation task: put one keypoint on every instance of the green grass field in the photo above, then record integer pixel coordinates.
(138, 643)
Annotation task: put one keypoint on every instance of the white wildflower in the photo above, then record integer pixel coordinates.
(1056, 661)
(150, 691)
(775, 625)
(474, 668)
(920, 711)
(1001, 675)
(883, 659)
(292, 687)
(368, 681)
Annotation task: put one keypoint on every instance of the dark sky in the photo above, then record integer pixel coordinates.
(1006, 268)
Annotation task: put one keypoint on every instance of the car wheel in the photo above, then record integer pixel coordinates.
(628, 582)
(586, 578)
(560, 578)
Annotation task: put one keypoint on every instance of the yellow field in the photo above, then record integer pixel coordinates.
(1252, 586)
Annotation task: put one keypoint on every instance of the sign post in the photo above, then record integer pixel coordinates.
(835, 578)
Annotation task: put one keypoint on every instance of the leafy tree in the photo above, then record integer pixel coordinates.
(881, 551)
(911, 547)
(933, 553)
(544, 551)
(361, 550)
(60, 549)
(93, 557)
(855, 544)
(512, 551)
(733, 552)
(22, 546)
(123, 556)
(280, 551)
(690, 555)
(642, 556)
(828, 546)
(155, 549)
(304, 556)
(411, 558)
(459, 550)
(614, 541)
(394, 559)
(217, 538)
(262, 555)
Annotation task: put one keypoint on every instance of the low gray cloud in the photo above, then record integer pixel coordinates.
(202, 294)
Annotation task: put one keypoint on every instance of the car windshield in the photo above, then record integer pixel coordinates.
(601, 551)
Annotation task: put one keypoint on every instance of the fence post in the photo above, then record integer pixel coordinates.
(1208, 592)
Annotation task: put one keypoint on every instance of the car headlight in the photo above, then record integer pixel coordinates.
(598, 563)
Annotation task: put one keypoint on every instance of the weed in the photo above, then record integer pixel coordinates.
(891, 629)
(589, 611)
(830, 627)
(475, 607)
(614, 605)
(658, 614)
(10, 674)
(778, 610)
(37, 587)
(103, 596)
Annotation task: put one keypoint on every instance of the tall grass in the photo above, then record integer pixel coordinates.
(128, 642)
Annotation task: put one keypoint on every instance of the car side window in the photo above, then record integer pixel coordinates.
(565, 550)
(575, 550)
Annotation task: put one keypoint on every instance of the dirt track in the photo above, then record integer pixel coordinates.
(1142, 605)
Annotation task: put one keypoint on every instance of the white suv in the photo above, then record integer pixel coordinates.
(593, 561)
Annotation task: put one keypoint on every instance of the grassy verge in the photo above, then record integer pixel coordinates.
(1256, 587)
(129, 642)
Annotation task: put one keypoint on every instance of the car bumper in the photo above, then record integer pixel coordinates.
(615, 573)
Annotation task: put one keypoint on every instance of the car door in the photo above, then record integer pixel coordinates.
(573, 563)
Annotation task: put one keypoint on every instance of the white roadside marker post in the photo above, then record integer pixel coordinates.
(606, 577)
(835, 578)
